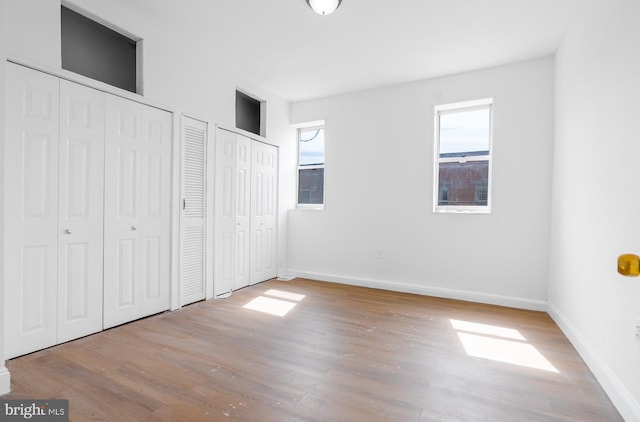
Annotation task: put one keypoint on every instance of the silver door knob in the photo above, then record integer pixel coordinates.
(67, 231)
(133, 228)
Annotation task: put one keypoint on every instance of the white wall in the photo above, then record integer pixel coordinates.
(379, 191)
(181, 69)
(595, 197)
(4, 374)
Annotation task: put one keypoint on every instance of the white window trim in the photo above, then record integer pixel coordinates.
(452, 108)
(310, 207)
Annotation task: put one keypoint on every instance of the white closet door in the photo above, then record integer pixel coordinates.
(155, 212)
(31, 210)
(137, 221)
(122, 251)
(80, 248)
(263, 212)
(243, 212)
(225, 213)
(193, 234)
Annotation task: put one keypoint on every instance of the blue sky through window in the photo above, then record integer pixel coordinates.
(465, 131)
(311, 147)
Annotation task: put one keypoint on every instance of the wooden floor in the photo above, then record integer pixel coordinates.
(340, 354)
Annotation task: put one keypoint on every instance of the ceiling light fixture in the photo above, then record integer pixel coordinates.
(324, 7)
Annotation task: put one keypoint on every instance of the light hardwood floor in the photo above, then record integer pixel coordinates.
(340, 354)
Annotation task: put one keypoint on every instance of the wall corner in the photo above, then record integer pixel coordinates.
(5, 380)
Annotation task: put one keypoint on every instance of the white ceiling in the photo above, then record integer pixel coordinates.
(286, 48)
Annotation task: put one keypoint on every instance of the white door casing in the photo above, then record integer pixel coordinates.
(31, 210)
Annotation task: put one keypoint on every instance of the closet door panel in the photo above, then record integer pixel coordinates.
(80, 247)
(155, 217)
(257, 213)
(137, 211)
(225, 212)
(31, 211)
(263, 212)
(270, 218)
(243, 212)
(122, 251)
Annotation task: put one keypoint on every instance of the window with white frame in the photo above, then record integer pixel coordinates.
(463, 133)
(311, 167)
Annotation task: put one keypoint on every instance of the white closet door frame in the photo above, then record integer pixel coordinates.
(175, 214)
(210, 216)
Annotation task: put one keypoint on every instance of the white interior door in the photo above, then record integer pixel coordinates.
(137, 211)
(193, 212)
(31, 210)
(122, 250)
(243, 212)
(264, 175)
(80, 224)
(155, 213)
(225, 212)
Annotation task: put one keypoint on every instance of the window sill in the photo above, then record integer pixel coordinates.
(466, 210)
(310, 207)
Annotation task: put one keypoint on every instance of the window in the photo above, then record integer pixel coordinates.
(250, 113)
(311, 167)
(93, 50)
(463, 157)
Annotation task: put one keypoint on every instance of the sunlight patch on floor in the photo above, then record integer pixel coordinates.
(500, 344)
(491, 330)
(284, 295)
(275, 302)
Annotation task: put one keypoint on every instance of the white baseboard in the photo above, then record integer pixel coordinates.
(5, 380)
(622, 399)
(512, 302)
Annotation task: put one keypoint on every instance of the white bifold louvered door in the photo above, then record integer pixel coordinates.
(193, 212)
(53, 214)
(137, 211)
